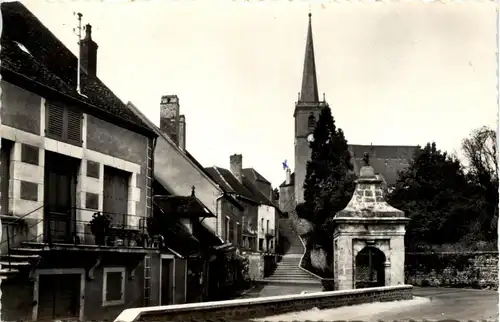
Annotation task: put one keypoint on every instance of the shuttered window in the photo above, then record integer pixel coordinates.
(63, 124)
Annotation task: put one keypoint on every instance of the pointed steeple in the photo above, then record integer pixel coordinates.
(309, 92)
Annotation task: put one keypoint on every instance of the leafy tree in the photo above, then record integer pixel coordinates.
(480, 150)
(329, 181)
(433, 191)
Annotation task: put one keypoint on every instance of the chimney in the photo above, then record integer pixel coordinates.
(169, 116)
(288, 178)
(182, 132)
(88, 53)
(236, 164)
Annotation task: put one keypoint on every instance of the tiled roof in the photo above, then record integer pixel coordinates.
(32, 56)
(386, 160)
(226, 179)
(183, 206)
(253, 175)
(257, 195)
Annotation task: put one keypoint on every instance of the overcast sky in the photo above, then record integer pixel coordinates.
(394, 74)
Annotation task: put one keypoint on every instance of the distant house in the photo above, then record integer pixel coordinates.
(68, 155)
(203, 243)
(258, 223)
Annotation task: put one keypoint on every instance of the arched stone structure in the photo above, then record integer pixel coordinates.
(368, 221)
(369, 268)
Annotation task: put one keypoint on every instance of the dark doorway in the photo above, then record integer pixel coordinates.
(115, 195)
(370, 268)
(59, 297)
(5, 175)
(167, 279)
(60, 197)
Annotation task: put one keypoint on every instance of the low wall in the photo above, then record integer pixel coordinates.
(453, 269)
(242, 309)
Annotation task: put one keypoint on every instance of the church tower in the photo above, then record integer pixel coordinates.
(306, 114)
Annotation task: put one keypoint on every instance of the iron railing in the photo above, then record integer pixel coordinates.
(125, 230)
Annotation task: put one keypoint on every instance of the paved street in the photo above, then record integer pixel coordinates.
(431, 304)
(263, 290)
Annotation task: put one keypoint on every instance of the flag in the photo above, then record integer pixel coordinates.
(285, 165)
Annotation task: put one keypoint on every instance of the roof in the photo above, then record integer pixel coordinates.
(34, 59)
(309, 90)
(245, 189)
(253, 175)
(183, 206)
(386, 160)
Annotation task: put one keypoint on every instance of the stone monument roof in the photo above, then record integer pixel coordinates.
(368, 198)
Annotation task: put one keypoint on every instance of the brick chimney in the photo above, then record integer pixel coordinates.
(288, 178)
(182, 132)
(169, 116)
(236, 165)
(88, 53)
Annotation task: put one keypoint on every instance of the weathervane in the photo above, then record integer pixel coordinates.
(366, 159)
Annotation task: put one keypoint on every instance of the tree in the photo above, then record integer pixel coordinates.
(329, 181)
(433, 192)
(480, 150)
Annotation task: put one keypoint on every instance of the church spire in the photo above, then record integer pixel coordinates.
(309, 91)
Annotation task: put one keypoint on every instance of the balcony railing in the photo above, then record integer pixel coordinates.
(88, 228)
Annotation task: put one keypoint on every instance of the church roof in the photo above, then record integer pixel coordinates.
(33, 58)
(386, 160)
(309, 90)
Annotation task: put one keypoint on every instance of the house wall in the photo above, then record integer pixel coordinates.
(286, 198)
(236, 216)
(103, 144)
(173, 170)
(19, 305)
(266, 213)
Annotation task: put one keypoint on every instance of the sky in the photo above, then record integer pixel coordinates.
(394, 73)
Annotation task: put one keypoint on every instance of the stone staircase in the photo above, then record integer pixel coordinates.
(23, 259)
(288, 270)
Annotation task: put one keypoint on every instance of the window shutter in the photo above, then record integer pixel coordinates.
(55, 119)
(74, 127)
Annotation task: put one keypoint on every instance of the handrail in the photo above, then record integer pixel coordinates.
(23, 216)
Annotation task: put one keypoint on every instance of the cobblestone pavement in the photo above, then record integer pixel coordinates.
(432, 304)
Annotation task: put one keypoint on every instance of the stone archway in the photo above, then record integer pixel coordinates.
(369, 268)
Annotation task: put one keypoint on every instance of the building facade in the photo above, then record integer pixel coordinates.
(76, 182)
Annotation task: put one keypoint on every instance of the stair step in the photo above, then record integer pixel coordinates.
(8, 271)
(15, 256)
(6, 263)
(27, 249)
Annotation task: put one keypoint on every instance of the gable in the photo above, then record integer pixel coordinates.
(34, 59)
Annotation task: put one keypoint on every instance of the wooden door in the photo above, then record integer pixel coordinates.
(115, 196)
(167, 279)
(60, 197)
(59, 296)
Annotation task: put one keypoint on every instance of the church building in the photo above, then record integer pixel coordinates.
(386, 160)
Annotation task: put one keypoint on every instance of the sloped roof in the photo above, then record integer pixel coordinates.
(34, 59)
(253, 175)
(386, 160)
(183, 206)
(226, 179)
(257, 195)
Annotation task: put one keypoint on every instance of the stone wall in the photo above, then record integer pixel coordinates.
(266, 306)
(452, 269)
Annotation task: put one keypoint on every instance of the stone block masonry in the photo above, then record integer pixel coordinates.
(452, 269)
(266, 306)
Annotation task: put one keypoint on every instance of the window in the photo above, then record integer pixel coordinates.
(63, 124)
(267, 226)
(238, 234)
(113, 289)
(227, 222)
(261, 244)
(262, 224)
(311, 121)
(231, 236)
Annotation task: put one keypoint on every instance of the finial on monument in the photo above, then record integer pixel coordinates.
(192, 191)
(324, 99)
(366, 159)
